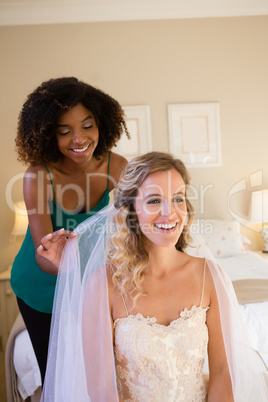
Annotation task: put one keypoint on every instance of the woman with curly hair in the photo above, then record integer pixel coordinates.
(66, 131)
(151, 305)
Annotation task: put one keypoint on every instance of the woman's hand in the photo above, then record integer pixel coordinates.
(52, 245)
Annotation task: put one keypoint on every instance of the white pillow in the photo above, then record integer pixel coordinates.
(222, 237)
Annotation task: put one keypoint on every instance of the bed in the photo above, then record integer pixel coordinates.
(247, 270)
(249, 274)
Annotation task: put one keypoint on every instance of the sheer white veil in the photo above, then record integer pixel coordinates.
(248, 371)
(81, 364)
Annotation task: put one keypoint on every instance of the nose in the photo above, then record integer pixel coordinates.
(166, 208)
(78, 136)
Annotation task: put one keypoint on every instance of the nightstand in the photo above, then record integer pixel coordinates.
(263, 255)
(8, 306)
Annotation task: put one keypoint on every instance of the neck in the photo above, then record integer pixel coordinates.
(69, 167)
(162, 260)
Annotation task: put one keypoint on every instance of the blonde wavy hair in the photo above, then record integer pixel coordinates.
(127, 252)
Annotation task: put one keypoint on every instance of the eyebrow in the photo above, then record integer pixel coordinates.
(160, 195)
(90, 117)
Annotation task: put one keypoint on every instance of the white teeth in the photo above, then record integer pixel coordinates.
(80, 150)
(165, 225)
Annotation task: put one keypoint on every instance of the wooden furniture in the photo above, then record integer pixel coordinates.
(8, 306)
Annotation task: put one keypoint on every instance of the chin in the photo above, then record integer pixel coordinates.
(164, 244)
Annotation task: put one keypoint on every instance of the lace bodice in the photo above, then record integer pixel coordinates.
(155, 362)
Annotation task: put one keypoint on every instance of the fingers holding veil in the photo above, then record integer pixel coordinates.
(52, 245)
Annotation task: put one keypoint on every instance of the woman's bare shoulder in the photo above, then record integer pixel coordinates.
(35, 177)
(118, 159)
(195, 266)
(117, 164)
(202, 267)
(199, 270)
(195, 262)
(31, 170)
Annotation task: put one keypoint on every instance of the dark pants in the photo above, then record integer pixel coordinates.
(38, 326)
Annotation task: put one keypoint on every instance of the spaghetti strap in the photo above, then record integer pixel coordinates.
(108, 170)
(203, 286)
(50, 181)
(124, 302)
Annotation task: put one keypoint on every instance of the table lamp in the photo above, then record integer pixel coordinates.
(21, 221)
(259, 214)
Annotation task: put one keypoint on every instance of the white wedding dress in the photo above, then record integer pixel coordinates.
(155, 362)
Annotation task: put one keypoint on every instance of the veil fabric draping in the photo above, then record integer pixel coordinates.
(81, 363)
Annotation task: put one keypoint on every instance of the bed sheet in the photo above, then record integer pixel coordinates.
(249, 265)
(256, 317)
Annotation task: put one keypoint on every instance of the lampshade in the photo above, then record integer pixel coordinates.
(259, 206)
(21, 220)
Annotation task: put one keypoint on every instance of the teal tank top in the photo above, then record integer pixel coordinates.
(34, 286)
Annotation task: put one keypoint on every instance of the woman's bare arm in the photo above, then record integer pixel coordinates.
(37, 193)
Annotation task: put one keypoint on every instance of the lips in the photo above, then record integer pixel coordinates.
(80, 150)
(166, 226)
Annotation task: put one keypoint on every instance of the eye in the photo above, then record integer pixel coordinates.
(63, 132)
(87, 127)
(154, 201)
(179, 199)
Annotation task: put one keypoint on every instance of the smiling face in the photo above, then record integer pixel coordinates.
(77, 134)
(161, 209)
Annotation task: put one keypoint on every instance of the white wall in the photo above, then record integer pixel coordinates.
(221, 60)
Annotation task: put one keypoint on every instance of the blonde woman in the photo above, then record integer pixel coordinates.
(141, 321)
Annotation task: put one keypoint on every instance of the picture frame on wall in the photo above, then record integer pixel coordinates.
(138, 121)
(194, 133)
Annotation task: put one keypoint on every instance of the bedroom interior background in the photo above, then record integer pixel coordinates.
(153, 63)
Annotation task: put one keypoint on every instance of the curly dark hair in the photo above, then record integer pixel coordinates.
(36, 140)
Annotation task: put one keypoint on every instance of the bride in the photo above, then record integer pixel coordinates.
(135, 315)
